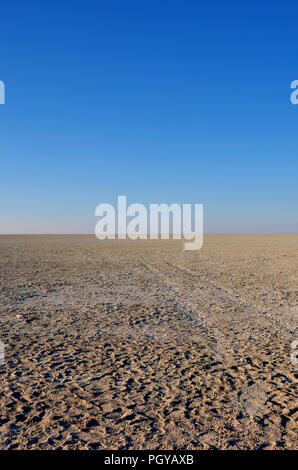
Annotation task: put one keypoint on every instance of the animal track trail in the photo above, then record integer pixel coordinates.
(225, 327)
(254, 310)
(194, 311)
(230, 318)
(185, 309)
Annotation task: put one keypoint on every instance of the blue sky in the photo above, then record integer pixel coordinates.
(180, 101)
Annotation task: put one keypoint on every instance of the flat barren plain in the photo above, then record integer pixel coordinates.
(142, 345)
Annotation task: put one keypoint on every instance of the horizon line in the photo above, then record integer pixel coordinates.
(159, 234)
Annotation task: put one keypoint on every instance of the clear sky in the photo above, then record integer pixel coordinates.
(161, 101)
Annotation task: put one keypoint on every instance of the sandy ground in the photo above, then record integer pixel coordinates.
(141, 345)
